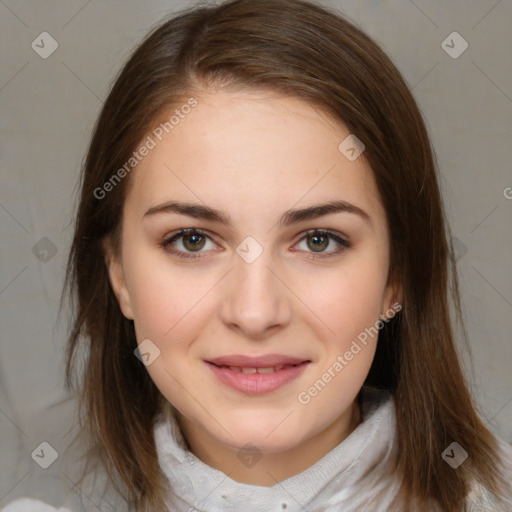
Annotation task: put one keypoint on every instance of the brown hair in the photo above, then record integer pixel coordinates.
(302, 50)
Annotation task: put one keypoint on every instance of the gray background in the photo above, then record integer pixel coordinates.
(49, 107)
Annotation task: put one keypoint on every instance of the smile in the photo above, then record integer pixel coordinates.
(248, 370)
(257, 380)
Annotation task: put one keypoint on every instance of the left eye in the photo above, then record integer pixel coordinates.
(318, 241)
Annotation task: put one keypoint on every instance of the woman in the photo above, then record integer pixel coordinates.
(262, 270)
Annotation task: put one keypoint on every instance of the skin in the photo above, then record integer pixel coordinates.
(254, 155)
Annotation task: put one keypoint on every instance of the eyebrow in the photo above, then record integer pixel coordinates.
(289, 217)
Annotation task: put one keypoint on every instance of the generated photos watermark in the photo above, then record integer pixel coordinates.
(150, 143)
(342, 360)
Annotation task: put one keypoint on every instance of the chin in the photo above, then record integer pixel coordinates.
(262, 444)
(272, 436)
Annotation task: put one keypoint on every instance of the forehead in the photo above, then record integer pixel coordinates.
(249, 151)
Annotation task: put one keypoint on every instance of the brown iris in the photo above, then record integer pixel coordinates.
(319, 242)
(193, 242)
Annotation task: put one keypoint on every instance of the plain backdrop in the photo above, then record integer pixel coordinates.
(48, 108)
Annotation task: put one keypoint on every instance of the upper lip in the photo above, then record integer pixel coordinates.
(266, 361)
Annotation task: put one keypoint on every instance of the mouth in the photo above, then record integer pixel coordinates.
(261, 370)
(264, 361)
(255, 376)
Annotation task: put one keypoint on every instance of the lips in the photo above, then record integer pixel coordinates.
(252, 369)
(266, 361)
(257, 375)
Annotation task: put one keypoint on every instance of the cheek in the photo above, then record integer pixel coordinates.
(163, 296)
(346, 300)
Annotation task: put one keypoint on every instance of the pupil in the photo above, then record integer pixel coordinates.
(319, 242)
(193, 241)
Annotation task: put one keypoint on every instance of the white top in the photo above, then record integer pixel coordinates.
(332, 483)
(356, 475)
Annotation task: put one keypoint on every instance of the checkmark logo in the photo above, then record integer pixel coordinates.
(454, 45)
(44, 250)
(147, 352)
(249, 455)
(351, 147)
(44, 45)
(45, 455)
(454, 455)
(249, 249)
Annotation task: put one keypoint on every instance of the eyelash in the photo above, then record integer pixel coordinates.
(167, 243)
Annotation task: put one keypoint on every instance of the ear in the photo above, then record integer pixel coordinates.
(117, 278)
(392, 300)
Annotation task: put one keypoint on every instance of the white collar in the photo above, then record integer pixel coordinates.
(359, 472)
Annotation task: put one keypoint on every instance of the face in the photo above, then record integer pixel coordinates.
(261, 281)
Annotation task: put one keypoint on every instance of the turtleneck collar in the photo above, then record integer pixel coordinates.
(358, 474)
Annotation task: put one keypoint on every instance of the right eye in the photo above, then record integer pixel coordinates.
(186, 242)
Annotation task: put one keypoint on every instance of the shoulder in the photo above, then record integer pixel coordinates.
(480, 498)
(30, 505)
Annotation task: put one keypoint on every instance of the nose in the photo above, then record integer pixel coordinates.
(255, 303)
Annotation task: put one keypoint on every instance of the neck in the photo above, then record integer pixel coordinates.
(272, 468)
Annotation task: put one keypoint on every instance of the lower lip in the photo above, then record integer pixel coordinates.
(257, 383)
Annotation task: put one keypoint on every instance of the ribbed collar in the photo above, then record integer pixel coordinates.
(358, 474)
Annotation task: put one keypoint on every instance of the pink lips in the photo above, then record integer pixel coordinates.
(255, 362)
(285, 368)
